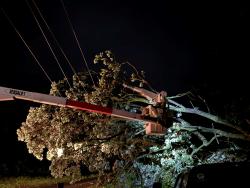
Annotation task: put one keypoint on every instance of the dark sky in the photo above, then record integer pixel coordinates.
(179, 46)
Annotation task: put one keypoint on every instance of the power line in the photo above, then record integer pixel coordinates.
(53, 35)
(54, 55)
(27, 46)
(57, 43)
(77, 41)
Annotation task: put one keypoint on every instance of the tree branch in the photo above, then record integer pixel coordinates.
(201, 137)
(188, 127)
(205, 115)
(204, 144)
(180, 95)
(208, 110)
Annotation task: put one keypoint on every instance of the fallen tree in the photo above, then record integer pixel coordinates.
(118, 150)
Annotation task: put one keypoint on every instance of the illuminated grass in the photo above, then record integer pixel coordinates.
(30, 181)
(21, 182)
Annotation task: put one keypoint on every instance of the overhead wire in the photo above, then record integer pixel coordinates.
(27, 46)
(54, 55)
(56, 41)
(77, 41)
(54, 37)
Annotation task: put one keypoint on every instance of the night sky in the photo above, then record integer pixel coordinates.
(179, 46)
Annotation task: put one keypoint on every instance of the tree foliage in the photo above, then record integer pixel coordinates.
(73, 139)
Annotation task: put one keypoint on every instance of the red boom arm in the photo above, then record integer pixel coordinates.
(152, 127)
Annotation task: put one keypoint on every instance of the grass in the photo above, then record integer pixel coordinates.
(20, 182)
(32, 182)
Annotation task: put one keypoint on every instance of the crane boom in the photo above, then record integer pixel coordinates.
(151, 125)
(12, 94)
